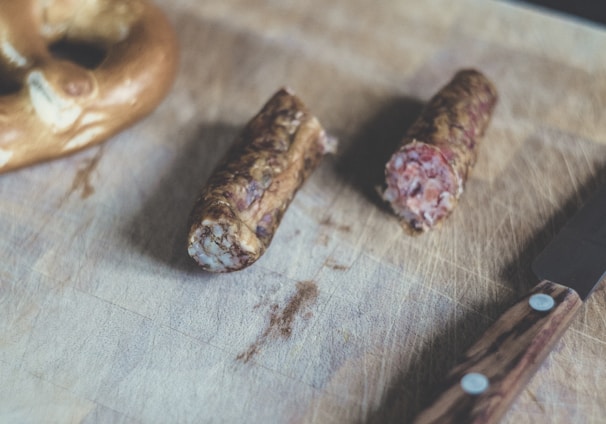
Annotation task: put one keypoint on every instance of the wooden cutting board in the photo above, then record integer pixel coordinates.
(345, 319)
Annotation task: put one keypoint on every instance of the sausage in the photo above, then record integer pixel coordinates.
(425, 176)
(238, 211)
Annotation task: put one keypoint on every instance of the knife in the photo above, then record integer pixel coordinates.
(499, 365)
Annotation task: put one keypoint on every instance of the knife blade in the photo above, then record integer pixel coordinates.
(498, 366)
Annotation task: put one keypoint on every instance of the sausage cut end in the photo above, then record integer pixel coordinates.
(222, 245)
(422, 187)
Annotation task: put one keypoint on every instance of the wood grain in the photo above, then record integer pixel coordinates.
(507, 354)
(104, 317)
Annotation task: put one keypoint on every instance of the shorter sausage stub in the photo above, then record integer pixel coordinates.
(426, 175)
(239, 210)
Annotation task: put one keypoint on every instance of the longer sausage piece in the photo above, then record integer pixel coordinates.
(426, 175)
(242, 204)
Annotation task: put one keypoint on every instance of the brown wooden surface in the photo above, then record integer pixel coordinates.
(104, 318)
(507, 354)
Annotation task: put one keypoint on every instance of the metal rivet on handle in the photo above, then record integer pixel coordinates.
(541, 302)
(474, 383)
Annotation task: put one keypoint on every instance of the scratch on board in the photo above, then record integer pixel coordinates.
(535, 400)
(590, 337)
(281, 319)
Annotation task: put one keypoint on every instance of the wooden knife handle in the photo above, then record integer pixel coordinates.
(496, 369)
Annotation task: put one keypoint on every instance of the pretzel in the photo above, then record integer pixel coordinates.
(50, 106)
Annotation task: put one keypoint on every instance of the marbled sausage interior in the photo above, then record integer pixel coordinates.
(420, 185)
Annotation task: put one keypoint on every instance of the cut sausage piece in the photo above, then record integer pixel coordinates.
(242, 204)
(426, 175)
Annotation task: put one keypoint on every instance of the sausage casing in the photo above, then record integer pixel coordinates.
(240, 208)
(426, 175)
